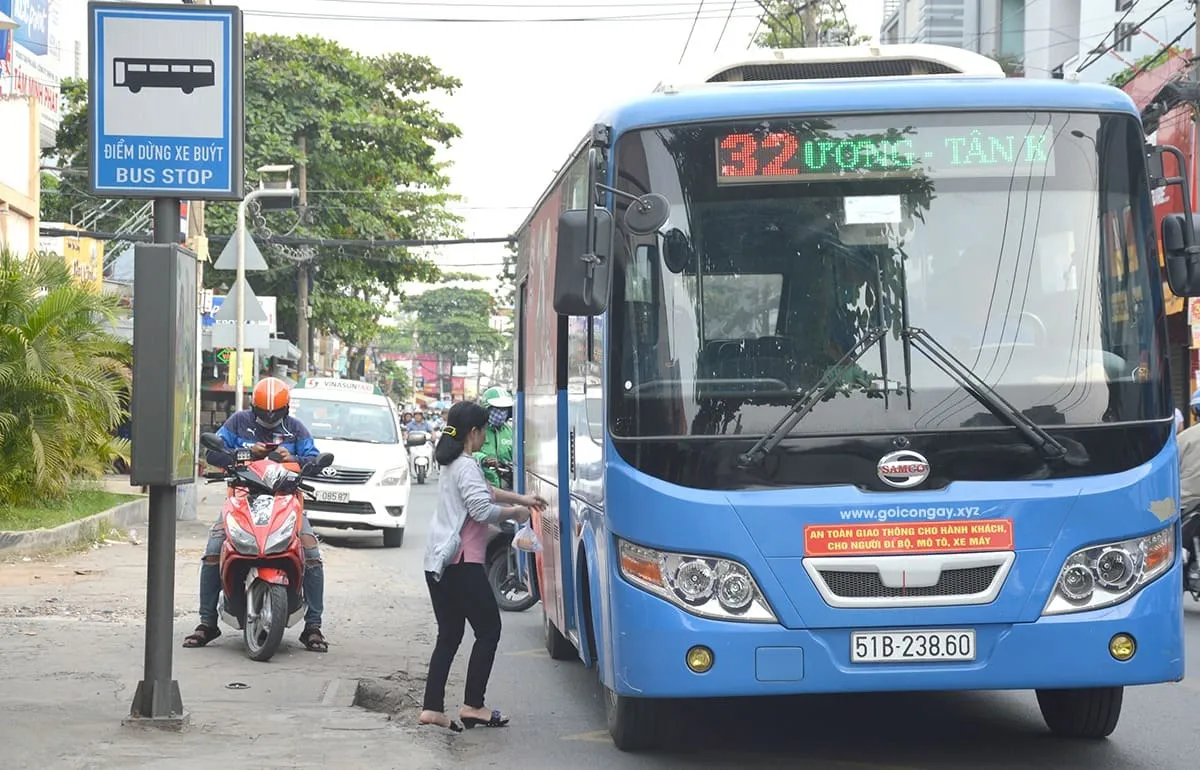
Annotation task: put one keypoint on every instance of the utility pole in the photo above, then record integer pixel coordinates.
(303, 269)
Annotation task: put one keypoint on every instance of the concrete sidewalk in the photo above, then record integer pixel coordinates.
(71, 649)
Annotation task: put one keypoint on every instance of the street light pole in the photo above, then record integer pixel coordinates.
(240, 299)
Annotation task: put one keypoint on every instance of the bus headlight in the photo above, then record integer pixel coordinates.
(1109, 573)
(707, 586)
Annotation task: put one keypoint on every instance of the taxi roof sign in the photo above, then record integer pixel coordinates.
(333, 383)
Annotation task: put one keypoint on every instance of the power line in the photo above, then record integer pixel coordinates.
(1165, 49)
(691, 31)
(725, 26)
(1104, 50)
(662, 16)
(507, 5)
(288, 240)
(1095, 52)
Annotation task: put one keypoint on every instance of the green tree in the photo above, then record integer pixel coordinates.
(64, 378)
(456, 322)
(370, 139)
(393, 378)
(785, 24)
(506, 296)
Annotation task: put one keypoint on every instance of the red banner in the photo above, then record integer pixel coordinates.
(939, 537)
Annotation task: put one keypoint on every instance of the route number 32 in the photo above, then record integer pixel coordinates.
(745, 155)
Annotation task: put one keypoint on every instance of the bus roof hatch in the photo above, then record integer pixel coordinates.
(790, 64)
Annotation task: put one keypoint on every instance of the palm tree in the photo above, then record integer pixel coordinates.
(64, 380)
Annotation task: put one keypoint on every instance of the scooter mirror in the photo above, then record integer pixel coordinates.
(324, 460)
(213, 442)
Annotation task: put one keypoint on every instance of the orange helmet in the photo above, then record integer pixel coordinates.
(270, 401)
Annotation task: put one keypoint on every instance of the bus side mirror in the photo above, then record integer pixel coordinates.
(582, 270)
(1181, 254)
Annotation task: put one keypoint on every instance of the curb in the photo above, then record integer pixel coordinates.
(64, 535)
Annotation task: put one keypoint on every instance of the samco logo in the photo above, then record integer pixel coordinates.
(903, 469)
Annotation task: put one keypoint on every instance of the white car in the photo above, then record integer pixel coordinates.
(368, 486)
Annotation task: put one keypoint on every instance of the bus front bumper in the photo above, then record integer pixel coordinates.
(1058, 652)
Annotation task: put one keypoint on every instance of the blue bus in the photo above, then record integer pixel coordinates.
(846, 371)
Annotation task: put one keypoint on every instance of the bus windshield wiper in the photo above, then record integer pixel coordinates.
(1048, 446)
(809, 400)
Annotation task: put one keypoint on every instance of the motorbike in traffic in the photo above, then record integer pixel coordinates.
(503, 569)
(420, 449)
(1190, 534)
(262, 559)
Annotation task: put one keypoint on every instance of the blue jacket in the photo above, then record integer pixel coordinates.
(242, 430)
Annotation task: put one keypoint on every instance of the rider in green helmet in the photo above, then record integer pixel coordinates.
(498, 438)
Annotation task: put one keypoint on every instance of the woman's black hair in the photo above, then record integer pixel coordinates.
(463, 417)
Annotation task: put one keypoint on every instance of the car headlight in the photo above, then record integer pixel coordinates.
(1107, 574)
(243, 541)
(707, 586)
(279, 539)
(394, 476)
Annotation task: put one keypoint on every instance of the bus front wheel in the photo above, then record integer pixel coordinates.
(632, 722)
(1089, 714)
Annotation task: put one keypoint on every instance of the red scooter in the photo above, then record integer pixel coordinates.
(262, 561)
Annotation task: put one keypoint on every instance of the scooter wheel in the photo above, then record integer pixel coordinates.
(264, 634)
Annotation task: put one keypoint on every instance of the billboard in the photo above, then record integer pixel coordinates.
(34, 17)
(29, 59)
(84, 256)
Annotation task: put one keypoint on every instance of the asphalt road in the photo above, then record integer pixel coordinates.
(558, 715)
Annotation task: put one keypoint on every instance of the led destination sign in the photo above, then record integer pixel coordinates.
(931, 151)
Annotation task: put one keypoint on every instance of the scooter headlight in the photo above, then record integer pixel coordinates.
(394, 477)
(279, 539)
(243, 541)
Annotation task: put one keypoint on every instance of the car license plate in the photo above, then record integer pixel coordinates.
(333, 497)
(914, 646)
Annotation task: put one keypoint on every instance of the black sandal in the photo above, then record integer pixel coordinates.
(201, 636)
(313, 640)
(497, 720)
(452, 726)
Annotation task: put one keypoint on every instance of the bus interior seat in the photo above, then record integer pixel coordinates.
(761, 358)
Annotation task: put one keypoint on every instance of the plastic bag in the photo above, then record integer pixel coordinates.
(526, 539)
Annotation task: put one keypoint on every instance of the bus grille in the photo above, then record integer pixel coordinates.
(953, 582)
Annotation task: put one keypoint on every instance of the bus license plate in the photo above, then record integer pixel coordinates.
(911, 646)
(333, 497)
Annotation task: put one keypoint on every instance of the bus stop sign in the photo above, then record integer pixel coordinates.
(165, 89)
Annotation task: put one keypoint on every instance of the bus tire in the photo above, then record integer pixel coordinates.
(559, 646)
(632, 722)
(1090, 714)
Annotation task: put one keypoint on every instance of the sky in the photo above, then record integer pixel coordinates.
(530, 89)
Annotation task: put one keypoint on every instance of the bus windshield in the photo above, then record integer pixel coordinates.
(1021, 242)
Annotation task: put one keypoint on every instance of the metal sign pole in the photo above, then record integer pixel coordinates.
(166, 122)
(239, 234)
(157, 696)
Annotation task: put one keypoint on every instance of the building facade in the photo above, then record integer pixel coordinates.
(1045, 36)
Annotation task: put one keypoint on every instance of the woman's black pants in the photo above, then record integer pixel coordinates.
(462, 596)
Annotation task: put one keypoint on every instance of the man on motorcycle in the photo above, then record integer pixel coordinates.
(419, 425)
(266, 422)
(498, 440)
